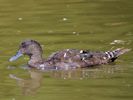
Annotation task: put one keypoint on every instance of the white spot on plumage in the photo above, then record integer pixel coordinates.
(81, 51)
(42, 65)
(56, 68)
(112, 55)
(65, 55)
(107, 54)
(83, 58)
(67, 49)
(104, 57)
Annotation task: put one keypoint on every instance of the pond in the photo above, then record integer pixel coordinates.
(60, 24)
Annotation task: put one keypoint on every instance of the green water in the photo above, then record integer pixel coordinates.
(59, 24)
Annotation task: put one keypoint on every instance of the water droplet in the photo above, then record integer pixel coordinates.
(64, 19)
(74, 32)
(118, 42)
(67, 6)
(20, 18)
(50, 31)
(13, 99)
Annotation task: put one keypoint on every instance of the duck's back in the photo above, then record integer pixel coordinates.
(78, 58)
(84, 58)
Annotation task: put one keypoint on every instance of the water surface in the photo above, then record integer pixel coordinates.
(60, 24)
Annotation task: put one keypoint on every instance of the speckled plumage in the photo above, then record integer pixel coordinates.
(66, 59)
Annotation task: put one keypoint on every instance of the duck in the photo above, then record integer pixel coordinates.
(65, 59)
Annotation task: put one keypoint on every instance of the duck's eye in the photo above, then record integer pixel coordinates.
(23, 45)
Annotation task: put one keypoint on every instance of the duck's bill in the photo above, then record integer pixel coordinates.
(15, 57)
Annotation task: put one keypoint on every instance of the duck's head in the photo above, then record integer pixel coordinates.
(29, 47)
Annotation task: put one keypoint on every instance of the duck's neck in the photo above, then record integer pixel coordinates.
(34, 59)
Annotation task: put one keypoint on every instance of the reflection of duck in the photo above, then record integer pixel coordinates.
(29, 86)
(65, 59)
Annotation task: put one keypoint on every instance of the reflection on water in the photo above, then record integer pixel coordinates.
(85, 73)
(31, 85)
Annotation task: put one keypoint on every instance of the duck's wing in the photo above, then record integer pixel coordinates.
(65, 55)
(79, 58)
(84, 58)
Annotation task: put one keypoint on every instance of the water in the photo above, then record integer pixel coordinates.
(59, 24)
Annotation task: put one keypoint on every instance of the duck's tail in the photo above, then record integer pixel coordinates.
(112, 55)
